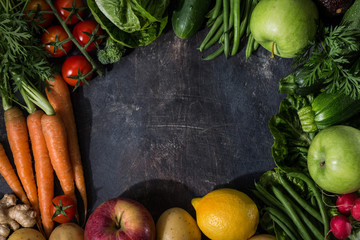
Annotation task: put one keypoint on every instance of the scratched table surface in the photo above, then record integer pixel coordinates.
(163, 126)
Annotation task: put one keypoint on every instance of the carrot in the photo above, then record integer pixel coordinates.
(43, 169)
(18, 138)
(59, 98)
(56, 142)
(8, 172)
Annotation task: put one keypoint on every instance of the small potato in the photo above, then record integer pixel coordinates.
(263, 237)
(26, 234)
(178, 224)
(67, 231)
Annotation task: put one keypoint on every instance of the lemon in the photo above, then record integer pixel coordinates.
(226, 214)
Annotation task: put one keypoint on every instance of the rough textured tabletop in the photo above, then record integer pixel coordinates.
(163, 126)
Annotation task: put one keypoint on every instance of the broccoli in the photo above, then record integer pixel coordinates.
(112, 52)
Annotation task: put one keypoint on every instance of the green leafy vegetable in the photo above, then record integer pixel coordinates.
(131, 23)
(120, 13)
(291, 143)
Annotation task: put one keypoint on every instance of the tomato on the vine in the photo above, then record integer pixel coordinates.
(32, 11)
(84, 30)
(71, 67)
(63, 209)
(64, 7)
(52, 38)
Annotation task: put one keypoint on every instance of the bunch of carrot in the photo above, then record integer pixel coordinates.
(54, 144)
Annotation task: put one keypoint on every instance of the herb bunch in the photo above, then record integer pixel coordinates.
(24, 65)
(333, 61)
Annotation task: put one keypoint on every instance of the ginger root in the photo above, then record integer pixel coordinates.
(13, 215)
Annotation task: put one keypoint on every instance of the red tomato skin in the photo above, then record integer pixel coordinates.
(71, 67)
(70, 211)
(86, 26)
(61, 4)
(47, 17)
(49, 36)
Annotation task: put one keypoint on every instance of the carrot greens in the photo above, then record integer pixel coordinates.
(24, 65)
(331, 61)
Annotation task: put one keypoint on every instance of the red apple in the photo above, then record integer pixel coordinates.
(120, 219)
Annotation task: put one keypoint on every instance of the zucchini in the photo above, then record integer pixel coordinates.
(188, 17)
(351, 16)
(326, 110)
(294, 83)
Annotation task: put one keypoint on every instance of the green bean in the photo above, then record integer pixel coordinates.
(274, 201)
(215, 54)
(253, 4)
(212, 31)
(215, 38)
(231, 19)
(263, 199)
(226, 27)
(292, 213)
(281, 214)
(216, 9)
(308, 223)
(244, 22)
(237, 19)
(313, 201)
(299, 199)
(292, 233)
(249, 47)
(317, 195)
(283, 227)
(256, 45)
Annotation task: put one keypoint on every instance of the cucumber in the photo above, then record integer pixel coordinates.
(326, 110)
(188, 16)
(352, 15)
(294, 83)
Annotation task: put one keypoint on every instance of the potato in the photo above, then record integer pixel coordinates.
(26, 234)
(176, 223)
(67, 231)
(263, 237)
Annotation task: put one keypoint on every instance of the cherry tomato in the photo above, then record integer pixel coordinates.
(82, 30)
(63, 209)
(43, 19)
(70, 68)
(49, 37)
(61, 6)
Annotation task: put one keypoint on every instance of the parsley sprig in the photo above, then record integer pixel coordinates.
(334, 60)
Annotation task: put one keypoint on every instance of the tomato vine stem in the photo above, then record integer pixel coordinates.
(71, 36)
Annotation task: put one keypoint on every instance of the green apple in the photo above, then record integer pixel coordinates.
(334, 159)
(284, 27)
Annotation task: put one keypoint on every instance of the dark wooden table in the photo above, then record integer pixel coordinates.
(163, 126)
